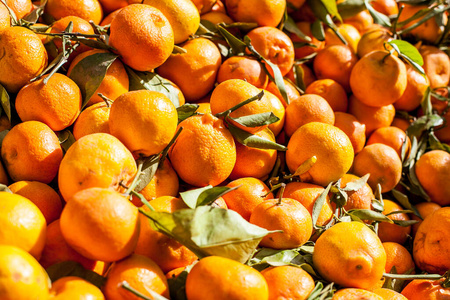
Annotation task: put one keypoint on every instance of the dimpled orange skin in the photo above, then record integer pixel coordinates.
(95, 160)
(388, 294)
(93, 119)
(204, 153)
(350, 293)
(288, 282)
(329, 144)
(415, 90)
(351, 255)
(398, 256)
(263, 12)
(20, 7)
(245, 68)
(5, 19)
(100, 224)
(393, 137)
(420, 289)
(86, 9)
(72, 287)
(221, 278)
(355, 130)
(142, 36)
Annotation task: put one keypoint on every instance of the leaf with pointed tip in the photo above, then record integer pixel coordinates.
(367, 214)
(355, 185)
(317, 30)
(291, 27)
(410, 53)
(405, 223)
(34, 16)
(349, 8)
(317, 208)
(66, 139)
(185, 111)
(253, 141)
(149, 168)
(378, 17)
(404, 201)
(5, 101)
(72, 268)
(305, 166)
(257, 120)
(237, 46)
(4, 188)
(209, 196)
(190, 197)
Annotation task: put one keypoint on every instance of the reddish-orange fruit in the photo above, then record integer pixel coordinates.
(142, 36)
(93, 119)
(331, 91)
(433, 170)
(392, 232)
(221, 278)
(351, 293)
(351, 255)
(31, 151)
(391, 136)
(355, 130)
(245, 68)
(415, 90)
(303, 51)
(388, 294)
(287, 215)
(72, 287)
(288, 282)
(399, 257)
(262, 12)
(425, 209)
(436, 64)
(89, 10)
(360, 199)
(362, 21)
(373, 40)
(386, 7)
(420, 289)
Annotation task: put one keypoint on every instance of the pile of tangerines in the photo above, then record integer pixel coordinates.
(233, 149)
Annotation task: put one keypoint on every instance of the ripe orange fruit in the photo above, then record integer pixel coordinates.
(303, 51)
(244, 199)
(432, 170)
(386, 7)
(115, 82)
(306, 109)
(141, 273)
(93, 119)
(221, 278)
(24, 57)
(204, 6)
(335, 62)
(373, 40)
(89, 10)
(288, 282)
(21, 8)
(383, 164)
(274, 45)
(95, 160)
(401, 123)
(388, 294)
(308, 75)
(22, 223)
(351, 255)
(355, 130)
(425, 209)
(72, 287)
(56, 103)
(362, 21)
(216, 17)
(351, 293)
(264, 13)
(22, 276)
(3, 175)
(331, 91)
(392, 232)
(420, 289)
(57, 250)
(436, 64)
(166, 252)
(290, 216)
(204, 153)
(31, 151)
(371, 117)
(391, 136)
(142, 36)
(136, 115)
(360, 199)
(194, 79)
(245, 68)
(348, 31)
(382, 70)
(42, 195)
(415, 90)
(329, 144)
(431, 243)
(5, 19)
(307, 194)
(398, 256)
(100, 224)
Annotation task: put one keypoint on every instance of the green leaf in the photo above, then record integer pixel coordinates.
(305, 166)
(66, 139)
(404, 201)
(299, 75)
(13, 16)
(317, 208)
(349, 8)
(209, 231)
(291, 27)
(367, 214)
(378, 17)
(152, 82)
(5, 188)
(90, 71)
(317, 30)
(237, 46)
(190, 197)
(331, 7)
(149, 168)
(435, 144)
(209, 196)
(357, 184)
(186, 110)
(409, 53)
(257, 120)
(33, 17)
(178, 50)
(273, 257)
(92, 43)
(177, 285)
(405, 223)
(3, 133)
(254, 141)
(242, 26)
(72, 268)
(5, 101)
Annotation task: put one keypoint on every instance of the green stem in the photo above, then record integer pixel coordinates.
(415, 276)
(280, 199)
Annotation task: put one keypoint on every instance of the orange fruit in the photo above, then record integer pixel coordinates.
(432, 169)
(22, 276)
(386, 7)
(204, 153)
(100, 224)
(21, 8)
(24, 57)
(262, 12)
(307, 194)
(288, 282)
(89, 10)
(136, 115)
(42, 195)
(401, 123)
(431, 243)
(382, 70)
(3, 176)
(108, 19)
(373, 40)
(93, 119)
(371, 117)
(245, 68)
(304, 51)
(216, 17)
(355, 130)
(72, 287)
(398, 256)
(425, 209)
(56, 103)
(420, 289)
(392, 232)
(331, 91)
(415, 90)
(166, 252)
(350, 293)
(221, 278)
(391, 136)
(183, 16)
(308, 75)
(291, 91)
(31, 151)
(204, 6)
(115, 82)
(56, 249)
(329, 144)
(23, 225)
(383, 164)
(388, 294)
(244, 199)
(348, 32)
(274, 45)
(335, 62)
(95, 160)
(306, 109)
(194, 79)
(287, 215)
(360, 199)
(142, 36)
(436, 65)
(141, 273)
(362, 21)
(351, 255)
(443, 132)
(5, 18)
